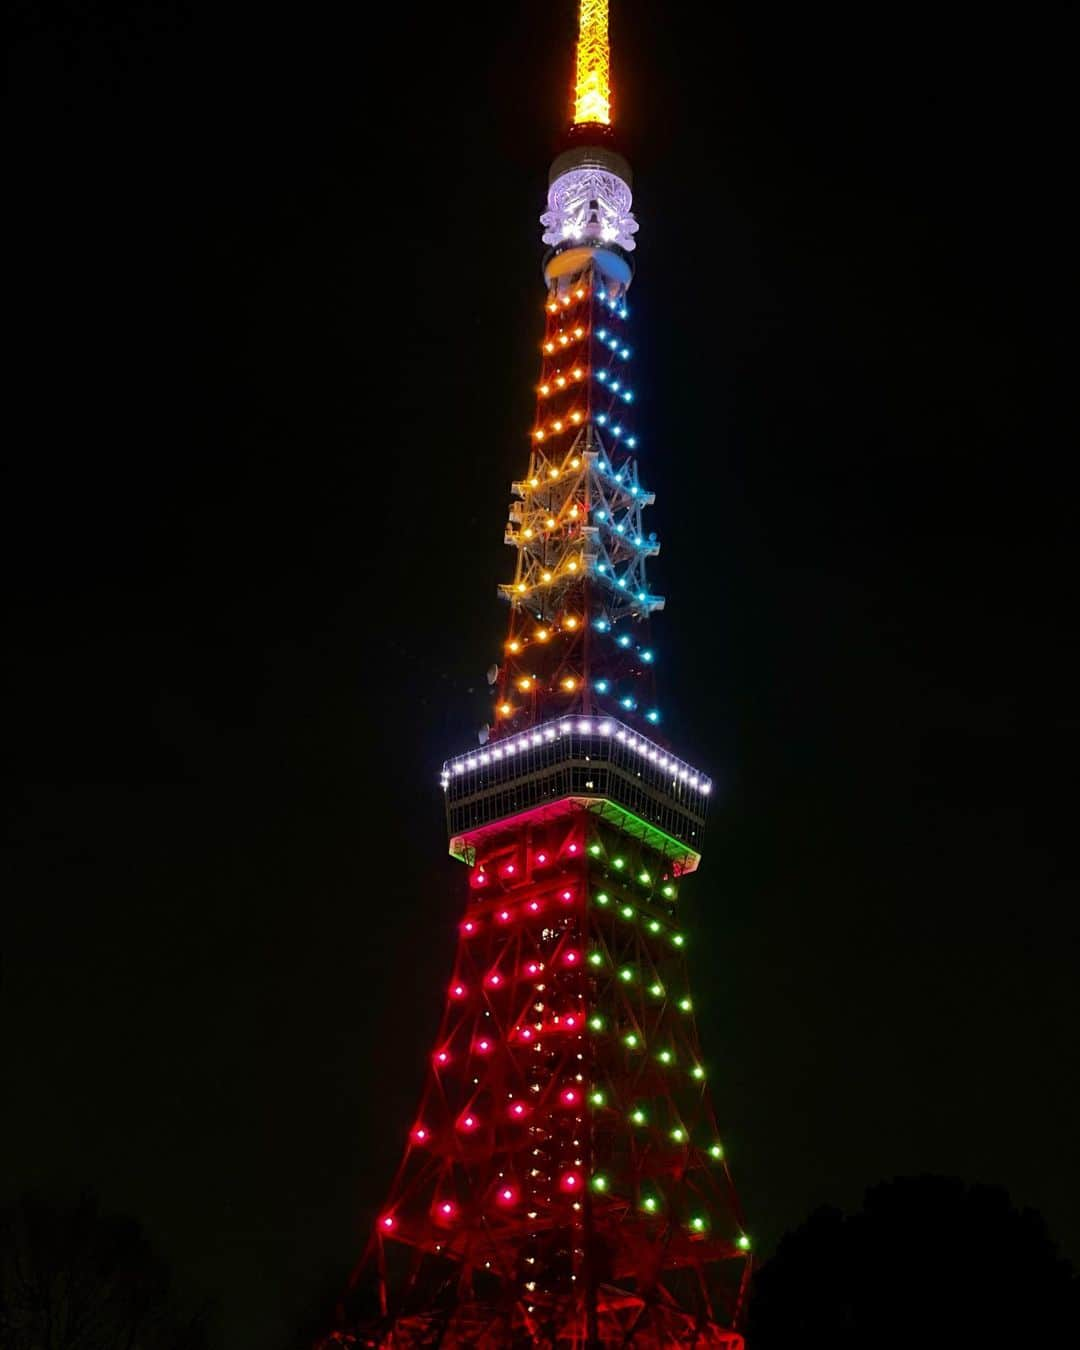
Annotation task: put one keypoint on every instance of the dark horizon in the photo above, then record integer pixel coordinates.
(277, 309)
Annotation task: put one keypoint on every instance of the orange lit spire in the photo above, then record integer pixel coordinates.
(592, 76)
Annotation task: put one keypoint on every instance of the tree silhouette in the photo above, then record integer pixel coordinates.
(928, 1262)
(74, 1279)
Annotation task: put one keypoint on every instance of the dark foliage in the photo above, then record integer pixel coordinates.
(927, 1262)
(72, 1278)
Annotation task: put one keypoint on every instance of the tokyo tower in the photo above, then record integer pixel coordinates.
(564, 1180)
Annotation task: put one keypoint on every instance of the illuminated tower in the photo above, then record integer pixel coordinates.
(564, 1181)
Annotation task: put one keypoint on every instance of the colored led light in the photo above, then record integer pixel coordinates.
(668, 891)
(638, 1116)
(600, 1183)
(596, 1098)
(618, 863)
(644, 878)
(678, 939)
(654, 926)
(602, 898)
(507, 1195)
(626, 975)
(595, 850)
(649, 1204)
(387, 1222)
(596, 1023)
(685, 1004)
(657, 990)
(744, 1243)
(697, 1223)
(698, 1072)
(570, 1182)
(457, 991)
(678, 1134)
(716, 1151)
(627, 911)
(631, 1041)
(665, 1056)
(595, 959)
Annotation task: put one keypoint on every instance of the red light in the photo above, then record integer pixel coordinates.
(572, 848)
(468, 927)
(541, 857)
(532, 968)
(570, 1097)
(566, 897)
(468, 1122)
(447, 1209)
(420, 1134)
(457, 991)
(534, 906)
(570, 1181)
(517, 1110)
(387, 1221)
(480, 877)
(507, 1195)
(509, 869)
(441, 1057)
(525, 1034)
(483, 1046)
(571, 1021)
(570, 958)
(494, 979)
(504, 916)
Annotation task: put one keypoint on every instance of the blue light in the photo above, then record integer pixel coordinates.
(620, 529)
(624, 640)
(602, 294)
(619, 476)
(603, 467)
(602, 418)
(627, 702)
(638, 541)
(647, 656)
(617, 430)
(623, 312)
(601, 686)
(613, 343)
(628, 397)
(641, 595)
(615, 385)
(622, 583)
(625, 353)
(601, 625)
(602, 333)
(611, 305)
(653, 715)
(634, 490)
(632, 442)
(601, 567)
(601, 515)
(601, 375)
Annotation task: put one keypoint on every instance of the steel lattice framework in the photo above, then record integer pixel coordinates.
(564, 1182)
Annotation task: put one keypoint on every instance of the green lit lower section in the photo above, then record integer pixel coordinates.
(682, 858)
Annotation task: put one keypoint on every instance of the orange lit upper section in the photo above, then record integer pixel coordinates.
(592, 76)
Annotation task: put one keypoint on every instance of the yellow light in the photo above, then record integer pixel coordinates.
(575, 417)
(514, 646)
(545, 389)
(571, 566)
(566, 299)
(527, 532)
(553, 473)
(545, 576)
(575, 463)
(564, 340)
(579, 332)
(577, 373)
(573, 513)
(538, 434)
(525, 684)
(522, 588)
(569, 684)
(557, 426)
(570, 622)
(592, 75)
(552, 307)
(506, 709)
(534, 482)
(541, 635)
(551, 522)
(580, 293)
(561, 382)
(549, 347)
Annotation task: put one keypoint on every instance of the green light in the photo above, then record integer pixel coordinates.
(656, 990)
(602, 898)
(638, 1116)
(685, 1004)
(631, 1041)
(716, 1151)
(618, 863)
(697, 1223)
(665, 1057)
(597, 1023)
(599, 1183)
(627, 911)
(626, 974)
(644, 878)
(678, 939)
(744, 1243)
(669, 891)
(597, 1098)
(698, 1072)
(649, 1204)
(654, 926)
(678, 1134)
(595, 850)
(596, 959)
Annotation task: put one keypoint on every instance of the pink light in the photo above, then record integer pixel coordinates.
(532, 968)
(572, 848)
(483, 1046)
(570, 958)
(541, 857)
(517, 1110)
(534, 906)
(525, 1034)
(494, 979)
(420, 1134)
(446, 1209)
(509, 869)
(457, 991)
(468, 927)
(570, 1181)
(570, 1097)
(507, 1195)
(571, 1021)
(480, 877)
(566, 897)
(468, 1122)
(387, 1221)
(504, 916)
(441, 1057)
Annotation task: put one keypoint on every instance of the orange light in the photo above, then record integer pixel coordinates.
(514, 646)
(506, 709)
(538, 435)
(575, 463)
(527, 533)
(541, 635)
(551, 309)
(575, 417)
(578, 373)
(534, 482)
(571, 566)
(573, 513)
(566, 299)
(579, 332)
(561, 382)
(549, 347)
(525, 684)
(551, 522)
(570, 622)
(546, 576)
(564, 340)
(522, 588)
(557, 426)
(580, 293)
(545, 389)
(569, 684)
(553, 473)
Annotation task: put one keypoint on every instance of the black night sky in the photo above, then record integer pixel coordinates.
(277, 300)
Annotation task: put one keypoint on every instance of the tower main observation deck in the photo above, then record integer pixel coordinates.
(564, 1182)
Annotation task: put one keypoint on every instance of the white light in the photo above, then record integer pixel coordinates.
(536, 738)
(549, 733)
(459, 767)
(706, 788)
(585, 728)
(605, 728)
(695, 782)
(471, 763)
(485, 758)
(620, 735)
(510, 747)
(496, 753)
(684, 774)
(565, 729)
